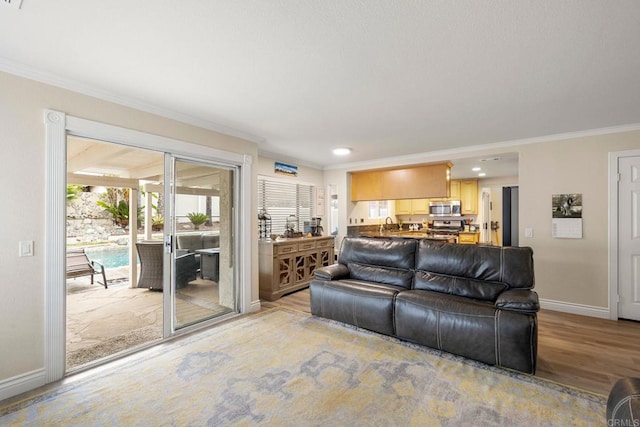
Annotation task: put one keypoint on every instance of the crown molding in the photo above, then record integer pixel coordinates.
(437, 155)
(31, 73)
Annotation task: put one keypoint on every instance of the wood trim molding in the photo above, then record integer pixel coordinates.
(55, 202)
(568, 307)
(57, 125)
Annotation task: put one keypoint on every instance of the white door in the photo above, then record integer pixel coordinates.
(629, 238)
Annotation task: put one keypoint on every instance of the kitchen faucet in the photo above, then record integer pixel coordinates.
(388, 221)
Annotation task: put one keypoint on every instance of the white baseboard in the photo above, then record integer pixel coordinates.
(21, 383)
(569, 307)
(254, 306)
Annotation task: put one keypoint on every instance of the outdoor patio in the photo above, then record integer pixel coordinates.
(102, 322)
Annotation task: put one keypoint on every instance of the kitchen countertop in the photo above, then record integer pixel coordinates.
(294, 239)
(408, 233)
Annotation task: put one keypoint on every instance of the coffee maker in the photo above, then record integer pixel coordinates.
(316, 228)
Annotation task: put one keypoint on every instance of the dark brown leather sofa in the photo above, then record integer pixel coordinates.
(470, 300)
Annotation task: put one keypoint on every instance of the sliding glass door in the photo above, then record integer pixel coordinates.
(201, 241)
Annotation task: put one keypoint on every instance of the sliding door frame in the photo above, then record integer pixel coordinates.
(57, 126)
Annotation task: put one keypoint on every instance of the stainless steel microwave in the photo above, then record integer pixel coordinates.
(445, 208)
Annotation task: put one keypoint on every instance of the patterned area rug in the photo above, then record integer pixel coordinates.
(285, 368)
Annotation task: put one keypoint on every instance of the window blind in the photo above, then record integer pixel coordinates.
(281, 199)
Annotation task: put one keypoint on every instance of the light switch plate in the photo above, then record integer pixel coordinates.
(528, 232)
(25, 248)
(12, 3)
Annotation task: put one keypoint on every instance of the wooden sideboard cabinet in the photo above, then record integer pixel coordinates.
(287, 265)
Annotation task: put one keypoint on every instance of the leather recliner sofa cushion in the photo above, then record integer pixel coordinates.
(388, 276)
(363, 304)
(396, 253)
(470, 288)
(489, 264)
(466, 327)
(389, 262)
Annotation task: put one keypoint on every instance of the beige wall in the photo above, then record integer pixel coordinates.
(570, 270)
(22, 178)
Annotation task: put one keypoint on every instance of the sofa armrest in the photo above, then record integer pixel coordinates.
(332, 272)
(523, 300)
(623, 403)
(180, 252)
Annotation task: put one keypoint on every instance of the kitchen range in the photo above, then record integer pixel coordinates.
(445, 229)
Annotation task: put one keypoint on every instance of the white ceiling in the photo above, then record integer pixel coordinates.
(386, 78)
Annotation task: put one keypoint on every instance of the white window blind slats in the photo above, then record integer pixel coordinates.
(280, 199)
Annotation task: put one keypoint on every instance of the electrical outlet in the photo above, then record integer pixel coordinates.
(12, 3)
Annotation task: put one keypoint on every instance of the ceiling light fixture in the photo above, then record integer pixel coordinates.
(342, 151)
(476, 169)
(482, 174)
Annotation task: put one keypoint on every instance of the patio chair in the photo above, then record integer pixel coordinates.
(79, 264)
(151, 254)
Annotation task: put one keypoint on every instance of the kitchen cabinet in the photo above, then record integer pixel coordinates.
(403, 207)
(412, 206)
(411, 182)
(469, 196)
(286, 266)
(455, 189)
(468, 238)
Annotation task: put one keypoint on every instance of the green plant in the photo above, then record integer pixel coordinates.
(197, 219)
(157, 223)
(73, 191)
(119, 211)
(117, 204)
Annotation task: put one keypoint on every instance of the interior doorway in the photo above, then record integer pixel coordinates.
(628, 237)
(510, 214)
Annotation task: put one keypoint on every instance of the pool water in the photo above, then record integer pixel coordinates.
(109, 256)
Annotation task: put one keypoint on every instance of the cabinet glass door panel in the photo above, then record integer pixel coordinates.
(202, 212)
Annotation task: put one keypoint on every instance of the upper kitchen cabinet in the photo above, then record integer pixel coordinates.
(455, 189)
(412, 207)
(469, 196)
(409, 182)
(403, 207)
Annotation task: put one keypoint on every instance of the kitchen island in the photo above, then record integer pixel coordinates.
(287, 265)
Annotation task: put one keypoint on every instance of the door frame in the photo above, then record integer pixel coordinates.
(614, 291)
(57, 126)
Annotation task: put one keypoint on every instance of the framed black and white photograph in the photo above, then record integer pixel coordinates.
(566, 205)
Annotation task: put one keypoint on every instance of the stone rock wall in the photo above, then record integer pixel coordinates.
(88, 222)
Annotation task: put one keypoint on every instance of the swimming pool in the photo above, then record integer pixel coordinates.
(109, 256)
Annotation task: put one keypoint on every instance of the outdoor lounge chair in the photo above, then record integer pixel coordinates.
(79, 264)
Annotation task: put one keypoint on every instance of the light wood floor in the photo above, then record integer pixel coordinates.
(578, 351)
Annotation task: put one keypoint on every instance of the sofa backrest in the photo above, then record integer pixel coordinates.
(472, 270)
(210, 241)
(389, 261)
(191, 242)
